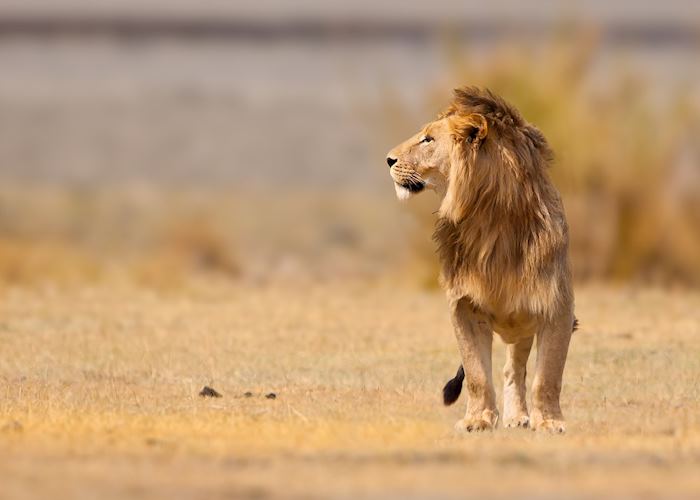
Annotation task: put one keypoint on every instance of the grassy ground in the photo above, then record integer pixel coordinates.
(98, 397)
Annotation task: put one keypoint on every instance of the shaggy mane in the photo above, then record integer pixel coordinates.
(485, 102)
(501, 234)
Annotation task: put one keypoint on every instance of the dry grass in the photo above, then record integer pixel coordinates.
(98, 397)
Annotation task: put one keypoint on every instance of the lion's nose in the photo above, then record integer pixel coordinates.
(391, 161)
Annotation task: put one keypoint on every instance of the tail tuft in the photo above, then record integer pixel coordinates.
(575, 325)
(453, 388)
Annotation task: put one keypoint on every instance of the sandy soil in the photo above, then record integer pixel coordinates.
(99, 397)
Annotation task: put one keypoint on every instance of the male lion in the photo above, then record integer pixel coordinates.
(503, 245)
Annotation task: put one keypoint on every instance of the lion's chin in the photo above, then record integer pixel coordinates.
(402, 193)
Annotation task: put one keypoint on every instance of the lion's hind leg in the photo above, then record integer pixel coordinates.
(514, 388)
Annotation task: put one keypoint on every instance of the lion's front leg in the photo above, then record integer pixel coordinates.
(475, 338)
(552, 348)
(514, 388)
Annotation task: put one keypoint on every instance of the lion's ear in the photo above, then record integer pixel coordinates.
(471, 129)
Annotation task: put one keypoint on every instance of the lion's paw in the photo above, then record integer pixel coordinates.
(551, 425)
(485, 422)
(520, 421)
(472, 425)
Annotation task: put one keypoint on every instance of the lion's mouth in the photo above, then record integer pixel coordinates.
(414, 186)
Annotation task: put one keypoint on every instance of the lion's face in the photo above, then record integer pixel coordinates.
(423, 160)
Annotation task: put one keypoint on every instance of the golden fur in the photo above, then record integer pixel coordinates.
(503, 245)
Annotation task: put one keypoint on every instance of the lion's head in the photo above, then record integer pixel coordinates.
(479, 148)
(423, 161)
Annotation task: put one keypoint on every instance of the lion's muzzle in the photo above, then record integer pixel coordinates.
(408, 181)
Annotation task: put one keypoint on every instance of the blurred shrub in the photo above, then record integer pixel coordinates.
(25, 262)
(188, 245)
(68, 237)
(627, 161)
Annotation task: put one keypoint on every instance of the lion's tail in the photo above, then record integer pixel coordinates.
(453, 388)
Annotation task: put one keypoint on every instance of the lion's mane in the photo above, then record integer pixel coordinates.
(502, 236)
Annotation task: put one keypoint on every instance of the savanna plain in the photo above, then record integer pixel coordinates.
(313, 310)
(99, 396)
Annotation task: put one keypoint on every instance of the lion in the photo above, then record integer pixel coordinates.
(502, 240)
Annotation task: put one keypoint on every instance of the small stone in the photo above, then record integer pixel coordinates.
(208, 392)
(248, 394)
(13, 426)
(271, 395)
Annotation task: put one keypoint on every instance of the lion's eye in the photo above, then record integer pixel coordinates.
(426, 139)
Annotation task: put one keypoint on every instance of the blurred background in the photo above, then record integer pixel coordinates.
(158, 141)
